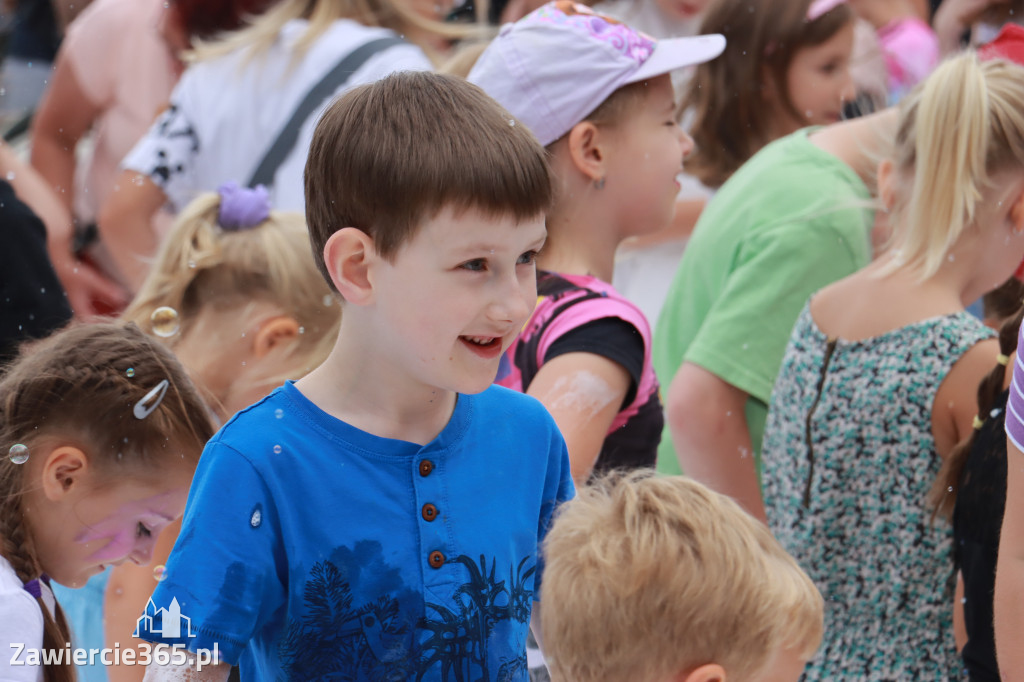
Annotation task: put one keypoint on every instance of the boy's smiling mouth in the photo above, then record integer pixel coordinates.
(484, 346)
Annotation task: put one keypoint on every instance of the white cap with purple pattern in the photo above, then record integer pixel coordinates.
(556, 65)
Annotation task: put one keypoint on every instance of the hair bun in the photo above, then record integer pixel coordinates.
(242, 208)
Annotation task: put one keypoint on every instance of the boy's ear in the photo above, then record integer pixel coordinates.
(348, 255)
(586, 151)
(64, 468)
(274, 332)
(709, 672)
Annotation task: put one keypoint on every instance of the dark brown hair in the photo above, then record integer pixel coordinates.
(81, 386)
(206, 19)
(726, 94)
(943, 493)
(389, 155)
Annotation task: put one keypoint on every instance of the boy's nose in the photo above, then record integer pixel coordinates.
(511, 304)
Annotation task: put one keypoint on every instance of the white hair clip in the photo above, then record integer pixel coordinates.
(151, 400)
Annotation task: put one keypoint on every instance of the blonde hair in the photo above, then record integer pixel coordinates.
(463, 58)
(646, 577)
(202, 266)
(962, 126)
(396, 15)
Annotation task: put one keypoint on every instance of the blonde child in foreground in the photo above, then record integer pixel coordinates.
(658, 579)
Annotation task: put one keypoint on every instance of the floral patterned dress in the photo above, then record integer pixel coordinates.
(849, 458)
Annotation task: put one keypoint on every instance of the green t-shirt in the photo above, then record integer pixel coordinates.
(790, 221)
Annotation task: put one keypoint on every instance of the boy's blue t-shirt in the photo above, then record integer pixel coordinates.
(312, 549)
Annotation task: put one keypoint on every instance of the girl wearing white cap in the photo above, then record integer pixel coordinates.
(598, 95)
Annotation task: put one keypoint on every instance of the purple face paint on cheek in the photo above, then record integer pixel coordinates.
(119, 547)
(119, 529)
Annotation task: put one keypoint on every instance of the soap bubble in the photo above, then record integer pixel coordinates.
(257, 517)
(159, 573)
(277, 449)
(18, 453)
(130, 372)
(165, 321)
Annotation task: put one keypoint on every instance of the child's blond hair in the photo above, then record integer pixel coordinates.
(201, 266)
(958, 129)
(647, 577)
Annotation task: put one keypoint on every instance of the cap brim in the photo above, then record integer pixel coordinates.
(675, 53)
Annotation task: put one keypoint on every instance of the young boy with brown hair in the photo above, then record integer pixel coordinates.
(658, 579)
(380, 518)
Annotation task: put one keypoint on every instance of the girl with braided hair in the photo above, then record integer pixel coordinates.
(103, 429)
(971, 489)
(253, 312)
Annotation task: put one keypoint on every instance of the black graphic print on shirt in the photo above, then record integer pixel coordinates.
(395, 633)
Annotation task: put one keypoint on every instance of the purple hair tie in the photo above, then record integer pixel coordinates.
(34, 588)
(242, 208)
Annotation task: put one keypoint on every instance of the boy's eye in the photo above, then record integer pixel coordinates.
(475, 265)
(528, 258)
(142, 532)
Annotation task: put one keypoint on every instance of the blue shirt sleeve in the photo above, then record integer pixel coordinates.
(226, 575)
(558, 488)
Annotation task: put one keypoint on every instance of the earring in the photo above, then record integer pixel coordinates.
(599, 183)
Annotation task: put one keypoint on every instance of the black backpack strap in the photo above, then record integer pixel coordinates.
(328, 85)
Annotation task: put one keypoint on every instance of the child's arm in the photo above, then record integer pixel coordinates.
(707, 419)
(126, 224)
(954, 17)
(956, 402)
(583, 392)
(128, 589)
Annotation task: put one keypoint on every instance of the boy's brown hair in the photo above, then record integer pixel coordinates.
(648, 577)
(389, 155)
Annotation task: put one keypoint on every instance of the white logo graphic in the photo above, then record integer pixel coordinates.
(173, 625)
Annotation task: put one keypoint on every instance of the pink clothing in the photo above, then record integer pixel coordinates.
(124, 67)
(911, 53)
(566, 307)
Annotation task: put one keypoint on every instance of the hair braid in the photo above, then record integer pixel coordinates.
(17, 547)
(943, 493)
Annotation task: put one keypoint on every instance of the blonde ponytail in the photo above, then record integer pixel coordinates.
(200, 265)
(965, 123)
